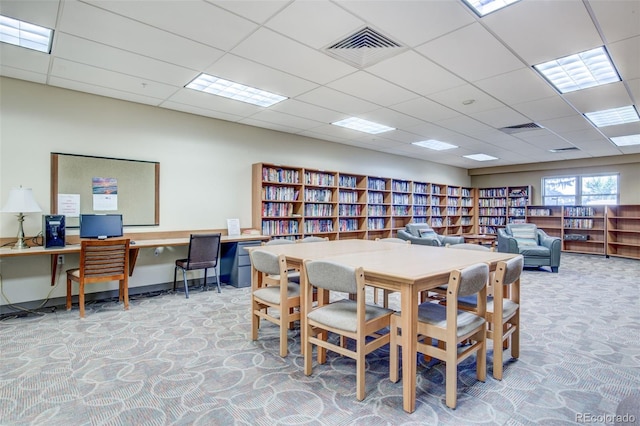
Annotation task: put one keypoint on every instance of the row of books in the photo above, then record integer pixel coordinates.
(279, 227)
(318, 209)
(489, 220)
(348, 196)
(320, 179)
(323, 195)
(318, 225)
(280, 193)
(579, 211)
(350, 209)
(492, 211)
(277, 209)
(578, 223)
(271, 174)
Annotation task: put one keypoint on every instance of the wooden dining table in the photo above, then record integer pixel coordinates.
(404, 268)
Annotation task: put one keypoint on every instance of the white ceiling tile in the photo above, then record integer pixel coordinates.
(241, 70)
(425, 109)
(256, 10)
(99, 77)
(533, 29)
(306, 110)
(401, 69)
(471, 53)
(39, 12)
(269, 48)
(544, 109)
(95, 24)
(307, 22)
(517, 86)
(464, 125)
(191, 109)
(110, 58)
(196, 20)
(213, 102)
(276, 117)
(411, 22)
(371, 88)
(455, 98)
(612, 95)
(21, 74)
(500, 117)
(24, 59)
(337, 101)
(625, 55)
(110, 92)
(618, 19)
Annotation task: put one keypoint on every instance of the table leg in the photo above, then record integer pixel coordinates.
(409, 320)
(54, 268)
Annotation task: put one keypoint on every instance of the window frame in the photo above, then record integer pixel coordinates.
(578, 196)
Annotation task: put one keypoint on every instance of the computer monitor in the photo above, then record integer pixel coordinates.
(100, 226)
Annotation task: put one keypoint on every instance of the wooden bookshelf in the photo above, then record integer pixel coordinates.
(547, 218)
(468, 210)
(352, 207)
(502, 205)
(277, 200)
(401, 203)
(586, 222)
(623, 231)
(320, 212)
(378, 207)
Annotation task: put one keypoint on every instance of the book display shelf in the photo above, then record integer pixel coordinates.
(583, 229)
(547, 218)
(623, 231)
(502, 205)
(295, 202)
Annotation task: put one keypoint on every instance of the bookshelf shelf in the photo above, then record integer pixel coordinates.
(623, 231)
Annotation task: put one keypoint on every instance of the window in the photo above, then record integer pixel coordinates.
(580, 190)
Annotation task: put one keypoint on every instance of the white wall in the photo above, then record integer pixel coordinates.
(205, 168)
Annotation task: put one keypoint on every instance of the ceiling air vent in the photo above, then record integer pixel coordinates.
(521, 128)
(364, 48)
(571, 148)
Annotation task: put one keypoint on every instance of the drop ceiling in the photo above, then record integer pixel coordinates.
(455, 77)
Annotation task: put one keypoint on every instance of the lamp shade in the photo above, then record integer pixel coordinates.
(21, 201)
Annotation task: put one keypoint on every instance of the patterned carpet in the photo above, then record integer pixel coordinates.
(176, 361)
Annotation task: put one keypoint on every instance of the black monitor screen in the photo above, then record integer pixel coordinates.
(100, 225)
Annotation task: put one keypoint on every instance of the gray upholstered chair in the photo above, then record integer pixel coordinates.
(422, 233)
(538, 248)
(352, 319)
(283, 297)
(312, 239)
(293, 274)
(450, 327)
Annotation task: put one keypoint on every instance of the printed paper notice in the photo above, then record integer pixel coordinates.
(233, 227)
(105, 193)
(69, 205)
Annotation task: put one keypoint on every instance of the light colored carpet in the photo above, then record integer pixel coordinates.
(176, 361)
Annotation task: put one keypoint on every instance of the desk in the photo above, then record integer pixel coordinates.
(407, 268)
(133, 249)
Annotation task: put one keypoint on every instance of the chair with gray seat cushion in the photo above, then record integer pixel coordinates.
(265, 298)
(538, 248)
(422, 233)
(353, 319)
(450, 327)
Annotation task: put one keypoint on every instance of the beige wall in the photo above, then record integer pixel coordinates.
(628, 167)
(205, 168)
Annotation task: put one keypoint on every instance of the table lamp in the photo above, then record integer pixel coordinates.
(21, 201)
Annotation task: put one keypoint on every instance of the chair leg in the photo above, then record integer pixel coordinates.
(451, 380)
(81, 299)
(205, 287)
(175, 273)
(125, 294)
(215, 270)
(360, 370)
(393, 350)
(186, 286)
(68, 294)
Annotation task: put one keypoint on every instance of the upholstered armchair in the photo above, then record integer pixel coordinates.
(538, 248)
(422, 233)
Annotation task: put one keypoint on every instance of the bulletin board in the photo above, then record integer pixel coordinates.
(82, 184)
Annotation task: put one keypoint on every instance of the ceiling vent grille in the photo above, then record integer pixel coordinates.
(364, 47)
(521, 128)
(571, 148)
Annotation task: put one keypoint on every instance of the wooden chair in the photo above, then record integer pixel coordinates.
(386, 293)
(101, 261)
(293, 274)
(365, 324)
(284, 297)
(503, 319)
(204, 252)
(450, 327)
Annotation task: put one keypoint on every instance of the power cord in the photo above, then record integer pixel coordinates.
(27, 310)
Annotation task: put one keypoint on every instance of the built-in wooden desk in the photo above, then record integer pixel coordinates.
(407, 268)
(139, 242)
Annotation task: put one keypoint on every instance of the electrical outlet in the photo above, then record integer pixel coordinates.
(61, 259)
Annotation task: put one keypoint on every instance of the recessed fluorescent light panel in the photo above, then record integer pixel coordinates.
(435, 145)
(23, 34)
(483, 7)
(579, 71)
(611, 117)
(361, 125)
(228, 89)
(480, 157)
(626, 140)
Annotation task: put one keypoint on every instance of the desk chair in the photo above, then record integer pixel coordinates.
(101, 261)
(204, 251)
(284, 297)
(450, 327)
(386, 293)
(365, 324)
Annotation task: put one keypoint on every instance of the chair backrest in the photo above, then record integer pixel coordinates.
(332, 276)
(470, 280)
(278, 241)
(204, 250)
(394, 240)
(508, 272)
(104, 260)
(266, 262)
(312, 239)
(468, 246)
